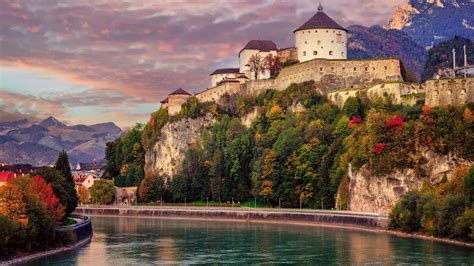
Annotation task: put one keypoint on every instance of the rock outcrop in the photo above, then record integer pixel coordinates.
(166, 155)
(379, 194)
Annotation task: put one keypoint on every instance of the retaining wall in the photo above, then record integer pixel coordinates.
(367, 220)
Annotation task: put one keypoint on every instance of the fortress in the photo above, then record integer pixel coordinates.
(320, 54)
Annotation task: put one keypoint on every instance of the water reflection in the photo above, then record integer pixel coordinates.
(126, 241)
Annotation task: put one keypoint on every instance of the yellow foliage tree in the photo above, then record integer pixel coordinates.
(12, 204)
(83, 195)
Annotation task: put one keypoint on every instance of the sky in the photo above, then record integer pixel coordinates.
(93, 61)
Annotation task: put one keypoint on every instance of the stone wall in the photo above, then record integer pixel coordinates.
(215, 93)
(175, 102)
(444, 92)
(364, 220)
(125, 195)
(340, 97)
(255, 87)
(336, 74)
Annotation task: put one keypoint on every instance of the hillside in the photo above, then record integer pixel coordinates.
(377, 42)
(434, 21)
(441, 56)
(38, 143)
(298, 149)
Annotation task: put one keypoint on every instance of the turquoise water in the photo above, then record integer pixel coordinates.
(144, 241)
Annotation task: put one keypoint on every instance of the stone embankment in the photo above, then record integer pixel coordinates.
(338, 218)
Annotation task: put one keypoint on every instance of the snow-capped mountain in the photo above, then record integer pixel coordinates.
(432, 21)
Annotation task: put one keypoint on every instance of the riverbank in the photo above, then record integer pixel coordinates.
(341, 218)
(372, 222)
(82, 231)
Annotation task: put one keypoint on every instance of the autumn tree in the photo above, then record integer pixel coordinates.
(83, 195)
(151, 189)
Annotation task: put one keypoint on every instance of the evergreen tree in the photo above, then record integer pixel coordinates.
(63, 167)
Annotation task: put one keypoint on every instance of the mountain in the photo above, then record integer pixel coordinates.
(106, 127)
(38, 143)
(376, 42)
(52, 122)
(434, 21)
(441, 56)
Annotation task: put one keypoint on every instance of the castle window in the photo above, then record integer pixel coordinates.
(342, 53)
(373, 68)
(339, 38)
(366, 69)
(332, 68)
(315, 52)
(355, 69)
(319, 42)
(332, 41)
(315, 31)
(321, 69)
(330, 52)
(304, 53)
(327, 31)
(386, 68)
(343, 68)
(333, 31)
(309, 31)
(305, 42)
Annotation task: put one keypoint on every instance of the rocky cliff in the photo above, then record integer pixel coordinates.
(166, 155)
(371, 193)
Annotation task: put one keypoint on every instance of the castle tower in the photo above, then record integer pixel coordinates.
(261, 48)
(321, 37)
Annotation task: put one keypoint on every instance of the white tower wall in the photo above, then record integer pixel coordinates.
(321, 43)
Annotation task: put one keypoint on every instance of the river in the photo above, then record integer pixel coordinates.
(143, 241)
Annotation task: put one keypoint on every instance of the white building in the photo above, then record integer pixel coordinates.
(222, 74)
(261, 48)
(321, 37)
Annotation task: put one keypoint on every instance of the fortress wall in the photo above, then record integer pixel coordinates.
(175, 102)
(215, 93)
(334, 74)
(449, 91)
(255, 87)
(400, 93)
(340, 97)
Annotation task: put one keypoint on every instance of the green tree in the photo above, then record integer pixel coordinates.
(62, 166)
(102, 192)
(353, 108)
(469, 185)
(151, 189)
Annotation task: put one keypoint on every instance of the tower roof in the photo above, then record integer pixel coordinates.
(180, 92)
(261, 45)
(225, 71)
(320, 21)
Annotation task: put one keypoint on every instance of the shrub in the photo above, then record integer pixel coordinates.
(464, 228)
(102, 192)
(451, 208)
(405, 216)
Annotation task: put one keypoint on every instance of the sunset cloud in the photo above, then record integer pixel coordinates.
(133, 53)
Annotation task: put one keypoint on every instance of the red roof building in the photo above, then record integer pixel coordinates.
(6, 176)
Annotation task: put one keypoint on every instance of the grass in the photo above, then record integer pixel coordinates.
(69, 221)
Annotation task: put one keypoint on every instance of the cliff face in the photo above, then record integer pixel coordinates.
(166, 155)
(370, 193)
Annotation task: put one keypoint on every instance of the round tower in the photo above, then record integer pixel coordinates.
(320, 37)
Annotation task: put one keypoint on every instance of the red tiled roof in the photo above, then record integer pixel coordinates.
(226, 71)
(7, 176)
(180, 92)
(261, 45)
(320, 21)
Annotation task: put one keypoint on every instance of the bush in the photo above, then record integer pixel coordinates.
(7, 234)
(102, 192)
(405, 216)
(464, 228)
(451, 208)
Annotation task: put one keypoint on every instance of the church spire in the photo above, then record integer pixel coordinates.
(320, 8)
